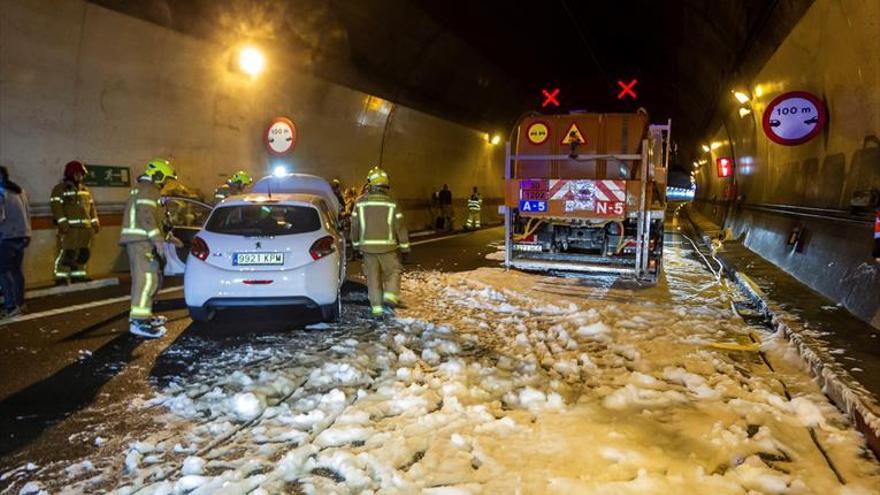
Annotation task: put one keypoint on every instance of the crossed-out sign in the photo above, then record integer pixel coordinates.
(627, 90)
(550, 97)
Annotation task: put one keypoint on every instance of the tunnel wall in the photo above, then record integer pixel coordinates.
(78, 81)
(834, 53)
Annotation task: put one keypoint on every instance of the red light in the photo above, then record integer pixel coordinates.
(322, 247)
(724, 166)
(199, 248)
(550, 97)
(627, 89)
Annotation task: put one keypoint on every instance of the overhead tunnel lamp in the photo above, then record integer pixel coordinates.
(251, 61)
(741, 96)
(706, 148)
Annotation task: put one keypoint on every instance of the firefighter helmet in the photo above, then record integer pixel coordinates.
(159, 169)
(377, 177)
(241, 179)
(73, 168)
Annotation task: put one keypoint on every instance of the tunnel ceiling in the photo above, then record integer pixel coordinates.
(485, 62)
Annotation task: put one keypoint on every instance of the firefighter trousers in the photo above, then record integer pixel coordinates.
(145, 279)
(473, 219)
(383, 278)
(73, 253)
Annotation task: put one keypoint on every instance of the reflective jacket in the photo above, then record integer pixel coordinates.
(475, 202)
(377, 224)
(143, 215)
(72, 206)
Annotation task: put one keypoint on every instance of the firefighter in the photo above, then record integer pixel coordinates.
(235, 185)
(145, 243)
(73, 210)
(474, 205)
(379, 233)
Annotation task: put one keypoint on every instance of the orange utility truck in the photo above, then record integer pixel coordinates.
(586, 192)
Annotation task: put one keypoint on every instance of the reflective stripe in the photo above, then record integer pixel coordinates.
(362, 221)
(154, 233)
(135, 232)
(148, 202)
(94, 220)
(378, 242)
(378, 310)
(355, 243)
(139, 311)
(399, 216)
(62, 219)
(375, 203)
(145, 294)
(354, 214)
(404, 245)
(390, 296)
(56, 199)
(78, 273)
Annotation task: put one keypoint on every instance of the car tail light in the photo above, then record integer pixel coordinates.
(322, 247)
(199, 248)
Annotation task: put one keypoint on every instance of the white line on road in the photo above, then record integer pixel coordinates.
(439, 238)
(78, 307)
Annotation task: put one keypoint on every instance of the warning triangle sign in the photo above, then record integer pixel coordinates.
(573, 135)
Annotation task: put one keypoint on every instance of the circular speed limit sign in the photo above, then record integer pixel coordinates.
(794, 118)
(280, 136)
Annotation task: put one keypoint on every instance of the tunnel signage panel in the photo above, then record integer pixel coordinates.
(724, 166)
(107, 176)
(281, 136)
(538, 133)
(794, 118)
(573, 135)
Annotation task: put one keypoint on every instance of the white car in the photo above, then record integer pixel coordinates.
(276, 246)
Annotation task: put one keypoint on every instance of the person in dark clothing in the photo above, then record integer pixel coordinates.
(15, 235)
(445, 196)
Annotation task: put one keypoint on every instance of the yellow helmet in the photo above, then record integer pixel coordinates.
(241, 178)
(159, 169)
(377, 177)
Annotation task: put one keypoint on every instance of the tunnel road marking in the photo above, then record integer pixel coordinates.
(78, 307)
(436, 239)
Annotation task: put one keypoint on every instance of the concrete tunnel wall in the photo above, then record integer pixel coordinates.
(834, 53)
(78, 81)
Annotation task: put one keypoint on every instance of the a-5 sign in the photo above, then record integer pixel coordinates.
(107, 176)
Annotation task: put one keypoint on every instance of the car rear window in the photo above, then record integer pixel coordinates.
(263, 219)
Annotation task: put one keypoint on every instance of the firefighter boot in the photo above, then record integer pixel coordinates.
(145, 328)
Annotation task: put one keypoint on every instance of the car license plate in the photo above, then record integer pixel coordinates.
(258, 259)
(527, 247)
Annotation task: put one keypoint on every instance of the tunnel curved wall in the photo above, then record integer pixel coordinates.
(78, 81)
(834, 53)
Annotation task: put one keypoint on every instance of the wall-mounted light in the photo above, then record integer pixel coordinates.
(743, 111)
(741, 96)
(251, 61)
(496, 139)
(706, 148)
(715, 145)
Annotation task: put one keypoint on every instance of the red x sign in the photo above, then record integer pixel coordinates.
(550, 97)
(627, 89)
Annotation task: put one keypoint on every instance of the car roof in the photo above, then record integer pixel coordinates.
(256, 198)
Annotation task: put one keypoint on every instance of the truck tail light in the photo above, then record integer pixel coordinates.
(322, 247)
(199, 248)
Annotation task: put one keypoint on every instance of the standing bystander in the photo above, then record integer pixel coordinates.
(15, 235)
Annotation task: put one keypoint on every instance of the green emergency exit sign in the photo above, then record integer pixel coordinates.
(107, 176)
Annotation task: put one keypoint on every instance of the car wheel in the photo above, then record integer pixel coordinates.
(201, 315)
(330, 312)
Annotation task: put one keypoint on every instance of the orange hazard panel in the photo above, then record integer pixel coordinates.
(582, 134)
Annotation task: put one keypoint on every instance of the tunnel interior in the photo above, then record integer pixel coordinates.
(486, 64)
